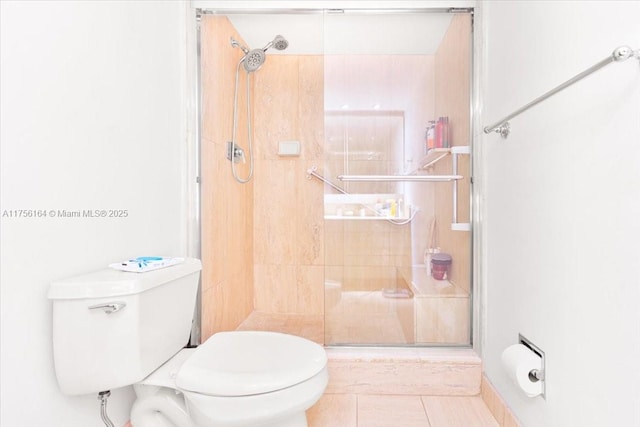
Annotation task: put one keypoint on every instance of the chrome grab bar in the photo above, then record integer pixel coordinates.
(110, 307)
(399, 178)
(619, 54)
(312, 172)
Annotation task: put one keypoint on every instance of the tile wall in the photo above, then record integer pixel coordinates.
(227, 206)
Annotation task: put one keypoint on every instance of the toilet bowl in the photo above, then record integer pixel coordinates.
(113, 329)
(235, 379)
(248, 378)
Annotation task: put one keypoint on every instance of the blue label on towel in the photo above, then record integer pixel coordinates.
(149, 258)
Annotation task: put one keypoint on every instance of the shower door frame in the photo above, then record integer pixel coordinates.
(194, 109)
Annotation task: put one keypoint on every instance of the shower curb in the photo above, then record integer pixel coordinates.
(400, 371)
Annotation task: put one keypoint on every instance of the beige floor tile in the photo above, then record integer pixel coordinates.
(447, 411)
(391, 411)
(333, 410)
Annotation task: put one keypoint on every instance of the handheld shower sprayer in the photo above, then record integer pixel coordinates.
(251, 61)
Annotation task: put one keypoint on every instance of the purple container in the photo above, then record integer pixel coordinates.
(440, 266)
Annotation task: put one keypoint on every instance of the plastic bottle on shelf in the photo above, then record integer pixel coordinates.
(427, 261)
(378, 207)
(431, 142)
(386, 208)
(426, 140)
(446, 135)
(428, 257)
(438, 133)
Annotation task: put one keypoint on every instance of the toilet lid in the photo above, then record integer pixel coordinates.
(243, 363)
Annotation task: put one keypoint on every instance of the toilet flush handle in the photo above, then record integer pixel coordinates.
(110, 307)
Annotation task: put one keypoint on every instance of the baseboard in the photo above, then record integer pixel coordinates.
(496, 405)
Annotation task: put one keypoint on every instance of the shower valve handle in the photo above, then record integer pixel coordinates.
(235, 153)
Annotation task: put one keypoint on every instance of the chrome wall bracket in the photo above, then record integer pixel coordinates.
(504, 130)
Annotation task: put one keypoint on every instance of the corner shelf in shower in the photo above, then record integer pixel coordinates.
(433, 156)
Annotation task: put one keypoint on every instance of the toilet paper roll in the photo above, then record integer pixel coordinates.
(518, 360)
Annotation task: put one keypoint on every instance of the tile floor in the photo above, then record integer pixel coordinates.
(351, 410)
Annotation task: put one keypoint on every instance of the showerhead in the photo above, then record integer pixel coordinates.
(279, 43)
(253, 60)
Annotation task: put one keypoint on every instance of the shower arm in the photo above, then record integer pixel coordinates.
(236, 43)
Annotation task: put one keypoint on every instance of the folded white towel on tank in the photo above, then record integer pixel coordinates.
(146, 263)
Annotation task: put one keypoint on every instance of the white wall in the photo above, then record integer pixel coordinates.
(92, 118)
(562, 208)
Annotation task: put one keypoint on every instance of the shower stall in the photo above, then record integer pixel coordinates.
(335, 171)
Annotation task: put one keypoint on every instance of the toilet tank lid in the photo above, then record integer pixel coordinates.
(109, 282)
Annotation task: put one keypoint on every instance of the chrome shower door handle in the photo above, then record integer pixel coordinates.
(110, 307)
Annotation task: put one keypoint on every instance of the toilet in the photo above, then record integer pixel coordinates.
(113, 329)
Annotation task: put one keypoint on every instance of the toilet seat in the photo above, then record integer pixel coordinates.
(245, 363)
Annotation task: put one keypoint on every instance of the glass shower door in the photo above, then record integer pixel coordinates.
(367, 233)
(383, 222)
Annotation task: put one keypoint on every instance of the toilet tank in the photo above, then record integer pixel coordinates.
(113, 328)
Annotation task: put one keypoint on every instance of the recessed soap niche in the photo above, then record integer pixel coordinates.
(366, 206)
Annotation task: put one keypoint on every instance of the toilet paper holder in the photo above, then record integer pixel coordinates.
(535, 374)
